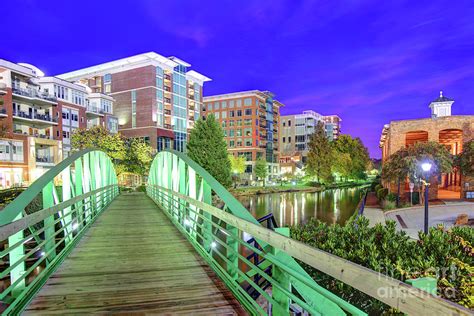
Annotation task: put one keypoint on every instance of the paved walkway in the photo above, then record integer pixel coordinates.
(375, 216)
(411, 219)
(133, 260)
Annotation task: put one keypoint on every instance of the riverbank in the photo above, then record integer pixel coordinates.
(245, 191)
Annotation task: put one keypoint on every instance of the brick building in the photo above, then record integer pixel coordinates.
(156, 98)
(295, 133)
(444, 128)
(250, 120)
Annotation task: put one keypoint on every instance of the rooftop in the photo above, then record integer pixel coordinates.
(442, 98)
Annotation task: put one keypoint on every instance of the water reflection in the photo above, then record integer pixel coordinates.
(331, 206)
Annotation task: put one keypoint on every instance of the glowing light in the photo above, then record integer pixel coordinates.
(293, 182)
(187, 222)
(75, 226)
(426, 166)
(42, 253)
(213, 244)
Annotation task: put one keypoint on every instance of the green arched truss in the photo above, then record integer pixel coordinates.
(42, 225)
(175, 182)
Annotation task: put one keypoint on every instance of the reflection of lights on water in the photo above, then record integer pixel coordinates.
(282, 210)
(303, 205)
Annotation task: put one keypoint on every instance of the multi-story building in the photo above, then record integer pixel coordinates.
(295, 132)
(250, 120)
(442, 127)
(156, 98)
(38, 115)
(29, 142)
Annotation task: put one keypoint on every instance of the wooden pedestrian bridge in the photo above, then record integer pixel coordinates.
(72, 244)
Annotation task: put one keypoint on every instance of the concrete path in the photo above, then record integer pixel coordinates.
(375, 216)
(411, 219)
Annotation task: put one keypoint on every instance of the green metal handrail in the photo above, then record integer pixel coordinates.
(184, 191)
(175, 171)
(36, 243)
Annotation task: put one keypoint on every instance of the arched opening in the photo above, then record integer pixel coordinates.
(414, 137)
(450, 183)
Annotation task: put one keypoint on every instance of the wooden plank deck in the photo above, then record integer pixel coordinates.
(134, 261)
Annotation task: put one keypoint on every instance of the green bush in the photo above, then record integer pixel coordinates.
(392, 197)
(391, 252)
(382, 194)
(378, 187)
(141, 188)
(389, 205)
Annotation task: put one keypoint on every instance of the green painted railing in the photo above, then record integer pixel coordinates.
(187, 193)
(69, 198)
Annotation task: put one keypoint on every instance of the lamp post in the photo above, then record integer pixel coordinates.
(426, 167)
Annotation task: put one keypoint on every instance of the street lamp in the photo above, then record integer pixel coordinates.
(426, 167)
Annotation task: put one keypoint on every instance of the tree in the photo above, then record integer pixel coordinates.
(100, 138)
(320, 158)
(208, 148)
(139, 156)
(261, 169)
(465, 160)
(351, 157)
(237, 165)
(397, 168)
(129, 155)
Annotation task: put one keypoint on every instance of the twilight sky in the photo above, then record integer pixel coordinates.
(369, 62)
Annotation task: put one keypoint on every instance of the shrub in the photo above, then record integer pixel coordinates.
(391, 252)
(392, 197)
(378, 187)
(382, 194)
(389, 205)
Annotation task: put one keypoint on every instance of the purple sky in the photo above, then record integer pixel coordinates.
(367, 61)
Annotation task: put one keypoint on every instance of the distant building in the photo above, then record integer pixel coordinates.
(250, 120)
(157, 98)
(295, 132)
(450, 130)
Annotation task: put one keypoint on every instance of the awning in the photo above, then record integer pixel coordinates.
(164, 133)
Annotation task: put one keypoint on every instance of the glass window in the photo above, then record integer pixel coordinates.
(224, 123)
(248, 101)
(107, 78)
(239, 112)
(216, 105)
(248, 142)
(239, 132)
(248, 111)
(232, 143)
(239, 122)
(231, 103)
(231, 133)
(224, 104)
(231, 114)
(239, 103)
(248, 132)
(231, 123)
(224, 114)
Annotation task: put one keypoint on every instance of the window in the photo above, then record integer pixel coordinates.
(231, 133)
(134, 108)
(231, 114)
(248, 111)
(239, 112)
(248, 142)
(231, 123)
(239, 103)
(248, 101)
(224, 123)
(239, 132)
(107, 78)
(232, 143)
(248, 132)
(289, 123)
(300, 138)
(217, 115)
(216, 105)
(284, 139)
(248, 122)
(224, 114)
(239, 122)
(284, 124)
(231, 103)
(224, 104)
(289, 139)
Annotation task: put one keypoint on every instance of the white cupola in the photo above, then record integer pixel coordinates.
(441, 106)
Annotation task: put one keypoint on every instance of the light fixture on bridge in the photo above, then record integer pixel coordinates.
(75, 225)
(187, 222)
(213, 244)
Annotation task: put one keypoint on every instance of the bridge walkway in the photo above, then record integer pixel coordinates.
(138, 264)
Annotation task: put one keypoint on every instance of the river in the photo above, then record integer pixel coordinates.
(330, 206)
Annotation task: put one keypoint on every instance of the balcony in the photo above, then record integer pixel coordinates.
(44, 160)
(167, 77)
(191, 108)
(30, 94)
(167, 112)
(3, 112)
(37, 118)
(167, 100)
(93, 111)
(167, 89)
(3, 88)
(167, 126)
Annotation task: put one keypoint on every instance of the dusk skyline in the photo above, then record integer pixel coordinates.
(368, 62)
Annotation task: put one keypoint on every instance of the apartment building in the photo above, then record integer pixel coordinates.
(38, 115)
(157, 98)
(29, 143)
(250, 120)
(295, 133)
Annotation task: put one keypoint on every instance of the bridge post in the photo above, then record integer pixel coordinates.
(206, 197)
(49, 231)
(79, 206)
(232, 257)
(282, 278)
(66, 195)
(182, 188)
(16, 255)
